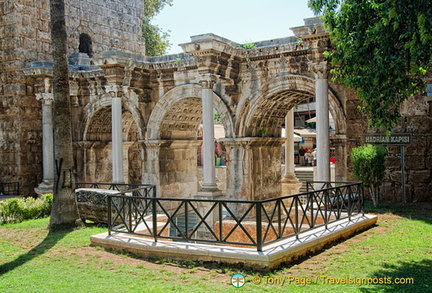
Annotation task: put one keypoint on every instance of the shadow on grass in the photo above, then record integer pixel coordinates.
(417, 211)
(405, 277)
(50, 241)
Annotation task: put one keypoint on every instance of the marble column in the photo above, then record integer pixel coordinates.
(209, 172)
(322, 125)
(46, 186)
(117, 140)
(290, 183)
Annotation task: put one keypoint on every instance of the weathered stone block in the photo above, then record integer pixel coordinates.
(418, 146)
(429, 162)
(393, 163)
(422, 193)
(420, 177)
(415, 106)
(415, 162)
(419, 124)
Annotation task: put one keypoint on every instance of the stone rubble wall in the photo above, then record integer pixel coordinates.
(25, 37)
(112, 25)
(417, 120)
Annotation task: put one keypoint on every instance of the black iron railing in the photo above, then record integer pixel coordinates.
(9, 188)
(244, 223)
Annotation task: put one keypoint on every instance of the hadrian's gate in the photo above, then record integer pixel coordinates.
(154, 106)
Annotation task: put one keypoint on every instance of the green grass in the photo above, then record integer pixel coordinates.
(34, 260)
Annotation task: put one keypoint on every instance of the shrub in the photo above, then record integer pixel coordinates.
(368, 162)
(20, 209)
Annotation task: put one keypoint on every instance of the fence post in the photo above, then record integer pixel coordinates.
(186, 220)
(109, 215)
(279, 203)
(296, 228)
(311, 201)
(349, 203)
(220, 222)
(129, 211)
(326, 205)
(259, 226)
(154, 218)
(361, 198)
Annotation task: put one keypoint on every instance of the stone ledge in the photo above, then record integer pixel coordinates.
(271, 257)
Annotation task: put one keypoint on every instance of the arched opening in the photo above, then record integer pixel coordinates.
(98, 153)
(261, 117)
(85, 44)
(174, 123)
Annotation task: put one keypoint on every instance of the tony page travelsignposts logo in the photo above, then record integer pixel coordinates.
(238, 280)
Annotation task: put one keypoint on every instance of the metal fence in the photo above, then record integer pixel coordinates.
(239, 223)
(9, 188)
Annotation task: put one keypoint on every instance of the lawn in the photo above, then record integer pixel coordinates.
(397, 249)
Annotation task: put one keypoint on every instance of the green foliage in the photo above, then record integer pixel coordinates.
(217, 118)
(156, 39)
(368, 162)
(248, 46)
(20, 209)
(382, 50)
(262, 131)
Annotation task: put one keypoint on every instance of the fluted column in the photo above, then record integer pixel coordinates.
(46, 185)
(322, 123)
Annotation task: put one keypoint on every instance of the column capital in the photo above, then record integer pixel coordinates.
(46, 98)
(320, 69)
(116, 91)
(207, 80)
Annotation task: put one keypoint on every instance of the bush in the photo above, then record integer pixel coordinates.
(20, 209)
(368, 162)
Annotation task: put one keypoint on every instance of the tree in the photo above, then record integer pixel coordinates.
(368, 162)
(382, 49)
(64, 212)
(156, 39)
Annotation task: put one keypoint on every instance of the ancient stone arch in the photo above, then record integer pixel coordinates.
(161, 101)
(275, 99)
(100, 109)
(97, 135)
(166, 112)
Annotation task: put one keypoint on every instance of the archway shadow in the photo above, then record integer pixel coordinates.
(49, 242)
(412, 277)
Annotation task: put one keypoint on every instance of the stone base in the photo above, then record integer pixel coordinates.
(290, 188)
(209, 193)
(46, 186)
(271, 257)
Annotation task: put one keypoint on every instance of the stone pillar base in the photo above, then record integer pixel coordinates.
(290, 184)
(290, 188)
(46, 186)
(209, 193)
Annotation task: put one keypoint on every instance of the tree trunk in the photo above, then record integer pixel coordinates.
(64, 213)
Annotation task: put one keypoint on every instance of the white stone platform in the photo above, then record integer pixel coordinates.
(271, 257)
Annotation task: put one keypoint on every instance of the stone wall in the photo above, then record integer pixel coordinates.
(25, 37)
(417, 120)
(112, 25)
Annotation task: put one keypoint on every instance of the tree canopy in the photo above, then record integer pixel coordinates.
(156, 39)
(383, 49)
